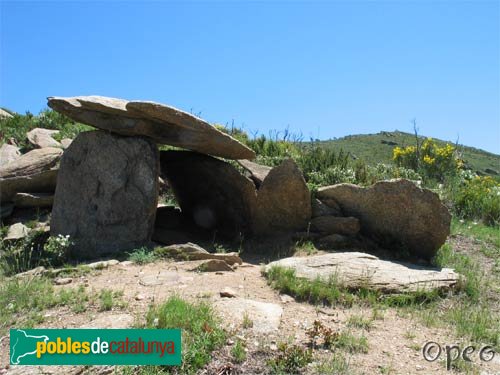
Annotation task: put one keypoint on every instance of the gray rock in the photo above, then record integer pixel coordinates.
(162, 123)
(66, 142)
(321, 209)
(41, 138)
(26, 200)
(107, 193)
(397, 214)
(335, 225)
(16, 231)
(213, 265)
(63, 280)
(355, 270)
(102, 264)
(35, 171)
(191, 251)
(283, 201)
(256, 171)
(210, 192)
(8, 153)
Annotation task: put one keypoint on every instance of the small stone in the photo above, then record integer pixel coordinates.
(214, 265)
(229, 342)
(41, 138)
(285, 298)
(419, 367)
(273, 347)
(63, 280)
(140, 297)
(16, 232)
(228, 293)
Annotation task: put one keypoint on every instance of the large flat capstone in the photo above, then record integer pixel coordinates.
(162, 123)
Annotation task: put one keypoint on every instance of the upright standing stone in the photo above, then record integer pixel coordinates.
(283, 201)
(107, 192)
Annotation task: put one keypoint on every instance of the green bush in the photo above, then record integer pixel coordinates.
(476, 198)
(15, 128)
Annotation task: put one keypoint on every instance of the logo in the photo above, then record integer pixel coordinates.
(95, 347)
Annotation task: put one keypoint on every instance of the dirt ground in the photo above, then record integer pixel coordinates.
(395, 339)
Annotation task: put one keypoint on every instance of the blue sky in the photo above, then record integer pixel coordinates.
(326, 69)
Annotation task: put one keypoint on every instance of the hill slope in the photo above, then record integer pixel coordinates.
(377, 148)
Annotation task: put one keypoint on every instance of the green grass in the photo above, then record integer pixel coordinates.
(238, 352)
(351, 343)
(359, 321)
(489, 235)
(201, 330)
(22, 302)
(336, 364)
(109, 299)
(142, 255)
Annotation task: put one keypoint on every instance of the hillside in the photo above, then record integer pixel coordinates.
(377, 148)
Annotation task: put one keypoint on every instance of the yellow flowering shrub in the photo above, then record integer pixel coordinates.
(433, 161)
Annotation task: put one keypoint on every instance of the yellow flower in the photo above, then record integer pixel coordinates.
(429, 160)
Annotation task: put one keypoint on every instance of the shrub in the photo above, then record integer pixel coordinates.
(290, 359)
(476, 198)
(56, 250)
(432, 161)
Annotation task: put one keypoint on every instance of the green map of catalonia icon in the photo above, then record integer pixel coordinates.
(23, 345)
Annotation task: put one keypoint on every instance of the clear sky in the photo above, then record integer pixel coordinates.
(327, 69)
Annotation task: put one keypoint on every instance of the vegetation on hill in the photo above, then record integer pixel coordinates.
(377, 148)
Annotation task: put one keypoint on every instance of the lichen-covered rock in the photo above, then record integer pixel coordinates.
(397, 214)
(283, 201)
(107, 192)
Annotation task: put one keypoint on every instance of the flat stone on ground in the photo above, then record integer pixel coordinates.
(355, 270)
